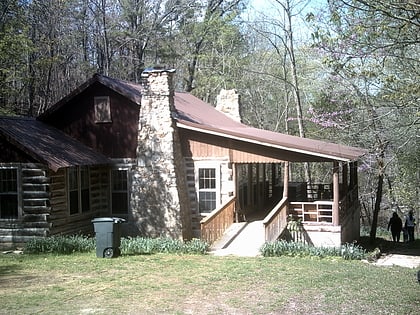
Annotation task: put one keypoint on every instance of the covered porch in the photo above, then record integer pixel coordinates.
(318, 213)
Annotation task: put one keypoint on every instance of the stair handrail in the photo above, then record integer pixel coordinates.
(215, 224)
(276, 221)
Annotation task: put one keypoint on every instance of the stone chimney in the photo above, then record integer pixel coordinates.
(159, 200)
(228, 102)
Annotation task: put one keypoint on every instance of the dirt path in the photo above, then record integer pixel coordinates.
(399, 254)
(408, 261)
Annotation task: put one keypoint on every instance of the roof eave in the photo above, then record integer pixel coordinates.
(67, 98)
(234, 136)
(116, 88)
(83, 87)
(54, 164)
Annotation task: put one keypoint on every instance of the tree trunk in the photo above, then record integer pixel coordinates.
(295, 82)
(377, 206)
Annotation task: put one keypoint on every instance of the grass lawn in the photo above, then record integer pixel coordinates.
(189, 284)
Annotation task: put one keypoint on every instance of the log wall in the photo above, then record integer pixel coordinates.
(43, 204)
(64, 223)
(34, 204)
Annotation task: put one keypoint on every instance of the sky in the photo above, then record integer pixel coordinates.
(267, 4)
(270, 8)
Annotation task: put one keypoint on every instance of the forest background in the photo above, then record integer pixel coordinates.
(339, 70)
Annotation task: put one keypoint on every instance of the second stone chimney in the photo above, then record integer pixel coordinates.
(228, 102)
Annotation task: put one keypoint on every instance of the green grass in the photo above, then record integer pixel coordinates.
(201, 284)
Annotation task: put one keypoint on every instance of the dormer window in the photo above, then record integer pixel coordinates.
(102, 109)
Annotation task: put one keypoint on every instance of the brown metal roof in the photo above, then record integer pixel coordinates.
(194, 114)
(130, 90)
(47, 144)
(197, 115)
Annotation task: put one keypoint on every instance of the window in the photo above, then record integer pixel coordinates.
(78, 189)
(8, 194)
(102, 109)
(84, 189)
(73, 178)
(208, 188)
(119, 191)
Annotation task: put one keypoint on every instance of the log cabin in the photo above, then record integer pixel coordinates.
(170, 165)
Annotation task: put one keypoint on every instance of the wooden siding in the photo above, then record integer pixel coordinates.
(245, 157)
(44, 204)
(100, 191)
(350, 216)
(62, 221)
(192, 196)
(198, 148)
(116, 139)
(204, 145)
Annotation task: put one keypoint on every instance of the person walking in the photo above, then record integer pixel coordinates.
(410, 222)
(395, 223)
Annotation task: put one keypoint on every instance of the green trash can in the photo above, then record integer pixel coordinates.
(108, 236)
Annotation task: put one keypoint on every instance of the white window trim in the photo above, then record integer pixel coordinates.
(79, 190)
(207, 164)
(101, 100)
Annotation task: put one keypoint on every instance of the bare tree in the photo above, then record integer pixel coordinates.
(280, 34)
(370, 47)
(199, 29)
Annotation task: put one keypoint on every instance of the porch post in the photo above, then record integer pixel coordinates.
(286, 180)
(249, 192)
(336, 194)
(236, 192)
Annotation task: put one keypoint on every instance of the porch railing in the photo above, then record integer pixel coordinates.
(215, 224)
(276, 221)
(317, 211)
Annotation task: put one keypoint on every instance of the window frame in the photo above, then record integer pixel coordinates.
(112, 191)
(80, 188)
(102, 107)
(207, 165)
(18, 193)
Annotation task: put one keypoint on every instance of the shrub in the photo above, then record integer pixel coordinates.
(141, 245)
(352, 252)
(295, 249)
(196, 246)
(131, 245)
(60, 244)
(138, 245)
